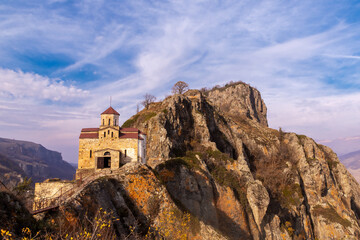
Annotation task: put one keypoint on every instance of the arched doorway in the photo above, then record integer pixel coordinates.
(105, 161)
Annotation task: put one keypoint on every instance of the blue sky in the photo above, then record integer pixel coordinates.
(61, 60)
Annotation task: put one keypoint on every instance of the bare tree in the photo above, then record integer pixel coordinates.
(180, 87)
(148, 98)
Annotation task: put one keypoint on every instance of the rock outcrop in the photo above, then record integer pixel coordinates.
(216, 171)
(281, 185)
(239, 100)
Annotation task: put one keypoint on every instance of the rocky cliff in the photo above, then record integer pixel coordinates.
(21, 158)
(216, 171)
(234, 173)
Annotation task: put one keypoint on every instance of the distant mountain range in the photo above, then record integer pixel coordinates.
(352, 163)
(19, 159)
(344, 145)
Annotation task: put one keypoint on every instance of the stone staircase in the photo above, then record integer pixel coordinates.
(46, 204)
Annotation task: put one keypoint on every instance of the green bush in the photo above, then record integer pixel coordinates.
(301, 138)
(23, 186)
(217, 155)
(148, 116)
(130, 121)
(292, 194)
(189, 160)
(331, 163)
(331, 215)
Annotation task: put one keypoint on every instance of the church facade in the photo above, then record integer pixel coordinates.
(109, 146)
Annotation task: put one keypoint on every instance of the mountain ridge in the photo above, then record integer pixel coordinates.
(20, 158)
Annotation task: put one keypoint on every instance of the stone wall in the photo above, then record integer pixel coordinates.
(112, 145)
(48, 191)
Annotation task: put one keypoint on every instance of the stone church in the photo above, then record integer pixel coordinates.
(109, 146)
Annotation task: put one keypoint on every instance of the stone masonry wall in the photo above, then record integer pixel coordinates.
(98, 147)
(45, 191)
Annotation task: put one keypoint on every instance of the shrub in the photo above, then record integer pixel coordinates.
(301, 138)
(331, 163)
(130, 121)
(146, 117)
(217, 155)
(292, 194)
(331, 215)
(23, 186)
(189, 160)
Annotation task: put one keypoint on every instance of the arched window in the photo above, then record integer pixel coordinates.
(90, 153)
(115, 122)
(104, 134)
(112, 134)
(125, 153)
(108, 131)
(109, 121)
(106, 153)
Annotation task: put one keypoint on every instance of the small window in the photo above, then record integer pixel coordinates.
(90, 153)
(112, 134)
(103, 121)
(115, 122)
(125, 153)
(109, 121)
(108, 131)
(104, 134)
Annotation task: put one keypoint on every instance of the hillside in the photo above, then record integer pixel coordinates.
(216, 171)
(21, 158)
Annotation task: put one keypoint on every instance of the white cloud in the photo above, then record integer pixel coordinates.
(287, 50)
(321, 117)
(21, 85)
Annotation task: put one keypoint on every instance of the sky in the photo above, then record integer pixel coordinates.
(60, 61)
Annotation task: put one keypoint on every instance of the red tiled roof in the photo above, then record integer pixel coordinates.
(89, 135)
(110, 110)
(129, 130)
(129, 135)
(90, 130)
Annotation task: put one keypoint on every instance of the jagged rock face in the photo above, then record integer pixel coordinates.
(281, 185)
(10, 172)
(239, 100)
(137, 204)
(20, 158)
(258, 199)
